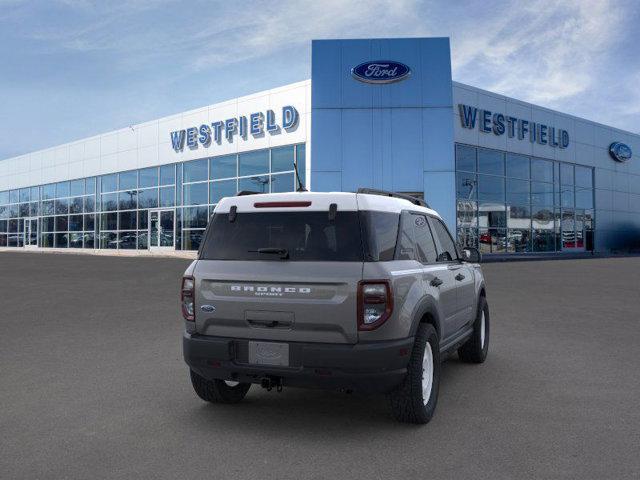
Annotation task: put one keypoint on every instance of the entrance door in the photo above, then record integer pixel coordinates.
(30, 232)
(162, 229)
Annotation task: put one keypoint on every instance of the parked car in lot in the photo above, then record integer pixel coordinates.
(353, 291)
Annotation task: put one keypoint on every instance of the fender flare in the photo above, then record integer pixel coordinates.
(427, 305)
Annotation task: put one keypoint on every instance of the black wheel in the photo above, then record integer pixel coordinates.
(414, 401)
(476, 348)
(218, 391)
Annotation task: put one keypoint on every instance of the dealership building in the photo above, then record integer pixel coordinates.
(507, 176)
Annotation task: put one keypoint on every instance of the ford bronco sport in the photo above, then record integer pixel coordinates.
(353, 291)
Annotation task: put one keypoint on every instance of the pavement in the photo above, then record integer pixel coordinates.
(93, 385)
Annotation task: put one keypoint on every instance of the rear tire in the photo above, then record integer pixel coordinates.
(414, 401)
(218, 391)
(476, 348)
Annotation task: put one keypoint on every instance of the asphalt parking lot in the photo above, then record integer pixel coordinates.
(92, 385)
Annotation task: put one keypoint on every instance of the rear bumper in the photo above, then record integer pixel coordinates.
(365, 367)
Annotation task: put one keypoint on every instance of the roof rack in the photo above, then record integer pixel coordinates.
(246, 192)
(385, 193)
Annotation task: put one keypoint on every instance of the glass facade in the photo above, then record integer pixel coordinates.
(510, 203)
(167, 206)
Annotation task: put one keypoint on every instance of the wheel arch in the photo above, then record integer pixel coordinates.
(427, 312)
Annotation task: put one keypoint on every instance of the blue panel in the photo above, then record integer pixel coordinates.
(437, 135)
(383, 135)
(357, 153)
(327, 154)
(406, 156)
(326, 182)
(439, 192)
(325, 71)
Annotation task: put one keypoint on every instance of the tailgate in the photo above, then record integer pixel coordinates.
(278, 300)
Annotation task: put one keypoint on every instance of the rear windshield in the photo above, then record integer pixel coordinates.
(300, 236)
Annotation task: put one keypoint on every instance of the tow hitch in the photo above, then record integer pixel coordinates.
(270, 382)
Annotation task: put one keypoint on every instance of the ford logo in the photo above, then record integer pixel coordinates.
(380, 71)
(208, 308)
(620, 151)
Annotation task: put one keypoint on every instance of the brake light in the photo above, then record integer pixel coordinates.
(375, 303)
(281, 204)
(187, 298)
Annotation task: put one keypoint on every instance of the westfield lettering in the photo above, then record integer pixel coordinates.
(255, 124)
(499, 124)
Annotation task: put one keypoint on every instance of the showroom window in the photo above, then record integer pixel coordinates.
(510, 203)
(167, 206)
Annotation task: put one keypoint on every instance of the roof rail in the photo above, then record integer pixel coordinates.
(246, 192)
(385, 193)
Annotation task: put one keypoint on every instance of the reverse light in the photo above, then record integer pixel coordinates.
(187, 298)
(375, 303)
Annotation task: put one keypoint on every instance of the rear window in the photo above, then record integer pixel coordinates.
(305, 236)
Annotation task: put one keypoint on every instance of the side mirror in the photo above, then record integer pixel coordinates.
(471, 254)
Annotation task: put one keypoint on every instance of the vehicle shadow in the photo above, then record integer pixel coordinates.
(295, 409)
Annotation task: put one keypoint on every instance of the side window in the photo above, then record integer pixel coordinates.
(446, 246)
(405, 249)
(424, 241)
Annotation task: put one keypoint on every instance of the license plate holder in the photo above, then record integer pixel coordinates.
(269, 353)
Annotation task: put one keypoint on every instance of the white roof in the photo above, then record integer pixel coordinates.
(319, 201)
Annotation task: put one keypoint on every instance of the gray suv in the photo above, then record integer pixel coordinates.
(352, 291)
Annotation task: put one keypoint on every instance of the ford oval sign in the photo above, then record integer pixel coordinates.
(620, 152)
(380, 71)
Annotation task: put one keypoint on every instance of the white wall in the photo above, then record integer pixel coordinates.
(149, 144)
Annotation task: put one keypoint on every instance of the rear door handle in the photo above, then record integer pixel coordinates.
(459, 277)
(436, 282)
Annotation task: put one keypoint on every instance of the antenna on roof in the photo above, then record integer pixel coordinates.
(300, 184)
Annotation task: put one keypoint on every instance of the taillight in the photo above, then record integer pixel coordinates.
(375, 303)
(187, 298)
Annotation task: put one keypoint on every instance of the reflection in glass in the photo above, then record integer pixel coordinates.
(518, 191)
(519, 240)
(148, 198)
(490, 161)
(76, 187)
(195, 170)
(259, 184)
(167, 195)
(128, 180)
(282, 159)
(492, 240)
(196, 194)
(62, 223)
(491, 188)
(223, 167)
(519, 217)
(89, 240)
(128, 200)
(62, 206)
(127, 240)
(465, 158)
(252, 163)
(568, 228)
(75, 240)
(282, 183)
(61, 240)
(75, 223)
(192, 239)
(148, 177)
(167, 175)
(76, 205)
(466, 186)
(492, 215)
(517, 166)
(541, 193)
(109, 183)
(225, 188)
(108, 240)
(109, 202)
(541, 170)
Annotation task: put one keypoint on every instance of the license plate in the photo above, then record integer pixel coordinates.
(269, 353)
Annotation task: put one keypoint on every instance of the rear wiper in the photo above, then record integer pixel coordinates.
(283, 252)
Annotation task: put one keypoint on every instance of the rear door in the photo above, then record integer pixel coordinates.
(438, 279)
(280, 275)
(463, 275)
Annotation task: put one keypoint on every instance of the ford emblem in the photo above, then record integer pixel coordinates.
(620, 151)
(380, 71)
(208, 308)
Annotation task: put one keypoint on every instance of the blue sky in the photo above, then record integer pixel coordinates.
(74, 68)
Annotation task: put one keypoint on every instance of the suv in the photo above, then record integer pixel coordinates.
(353, 291)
